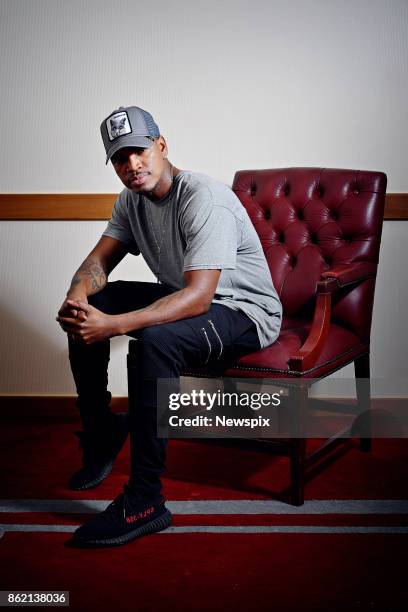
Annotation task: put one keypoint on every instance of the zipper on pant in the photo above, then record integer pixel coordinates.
(209, 344)
(218, 336)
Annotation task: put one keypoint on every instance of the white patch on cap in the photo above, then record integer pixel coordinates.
(118, 125)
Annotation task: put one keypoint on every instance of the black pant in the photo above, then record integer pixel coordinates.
(215, 339)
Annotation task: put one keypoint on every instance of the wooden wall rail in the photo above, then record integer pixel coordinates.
(396, 206)
(98, 206)
(56, 206)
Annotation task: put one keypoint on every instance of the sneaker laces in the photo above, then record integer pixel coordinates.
(123, 504)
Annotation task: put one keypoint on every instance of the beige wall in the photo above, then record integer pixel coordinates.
(232, 85)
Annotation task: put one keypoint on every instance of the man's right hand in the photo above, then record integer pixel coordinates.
(67, 309)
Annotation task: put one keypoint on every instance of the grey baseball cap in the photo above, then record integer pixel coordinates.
(129, 126)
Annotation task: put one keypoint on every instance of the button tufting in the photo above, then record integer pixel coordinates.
(293, 261)
(319, 192)
(300, 215)
(334, 215)
(281, 237)
(267, 214)
(253, 190)
(313, 238)
(286, 190)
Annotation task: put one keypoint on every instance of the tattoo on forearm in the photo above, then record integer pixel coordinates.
(94, 271)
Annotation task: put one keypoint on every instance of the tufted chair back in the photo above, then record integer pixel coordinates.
(310, 221)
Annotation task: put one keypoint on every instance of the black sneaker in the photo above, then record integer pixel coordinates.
(125, 519)
(99, 452)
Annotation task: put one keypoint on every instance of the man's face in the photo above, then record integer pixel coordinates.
(141, 169)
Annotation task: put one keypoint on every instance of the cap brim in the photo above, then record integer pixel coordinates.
(129, 140)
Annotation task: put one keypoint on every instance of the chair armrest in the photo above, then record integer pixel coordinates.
(312, 347)
(344, 275)
(331, 281)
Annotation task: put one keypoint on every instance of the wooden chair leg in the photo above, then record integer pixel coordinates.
(363, 391)
(297, 471)
(297, 454)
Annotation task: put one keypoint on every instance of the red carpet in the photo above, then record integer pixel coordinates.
(220, 572)
(335, 553)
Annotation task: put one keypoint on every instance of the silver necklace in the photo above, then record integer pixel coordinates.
(164, 227)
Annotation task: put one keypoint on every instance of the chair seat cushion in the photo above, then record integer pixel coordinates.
(341, 347)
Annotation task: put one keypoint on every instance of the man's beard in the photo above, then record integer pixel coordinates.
(151, 193)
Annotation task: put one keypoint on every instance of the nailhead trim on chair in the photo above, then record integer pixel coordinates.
(275, 370)
(255, 369)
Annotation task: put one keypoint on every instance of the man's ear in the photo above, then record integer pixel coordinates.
(161, 142)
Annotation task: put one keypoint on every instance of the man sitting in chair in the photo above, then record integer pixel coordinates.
(213, 302)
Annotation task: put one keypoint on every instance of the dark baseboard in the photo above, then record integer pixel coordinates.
(48, 405)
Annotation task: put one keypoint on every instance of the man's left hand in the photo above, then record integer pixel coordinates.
(92, 326)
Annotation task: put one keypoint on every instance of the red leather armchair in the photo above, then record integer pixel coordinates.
(320, 229)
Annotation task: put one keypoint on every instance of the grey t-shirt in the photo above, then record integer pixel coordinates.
(201, 224)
